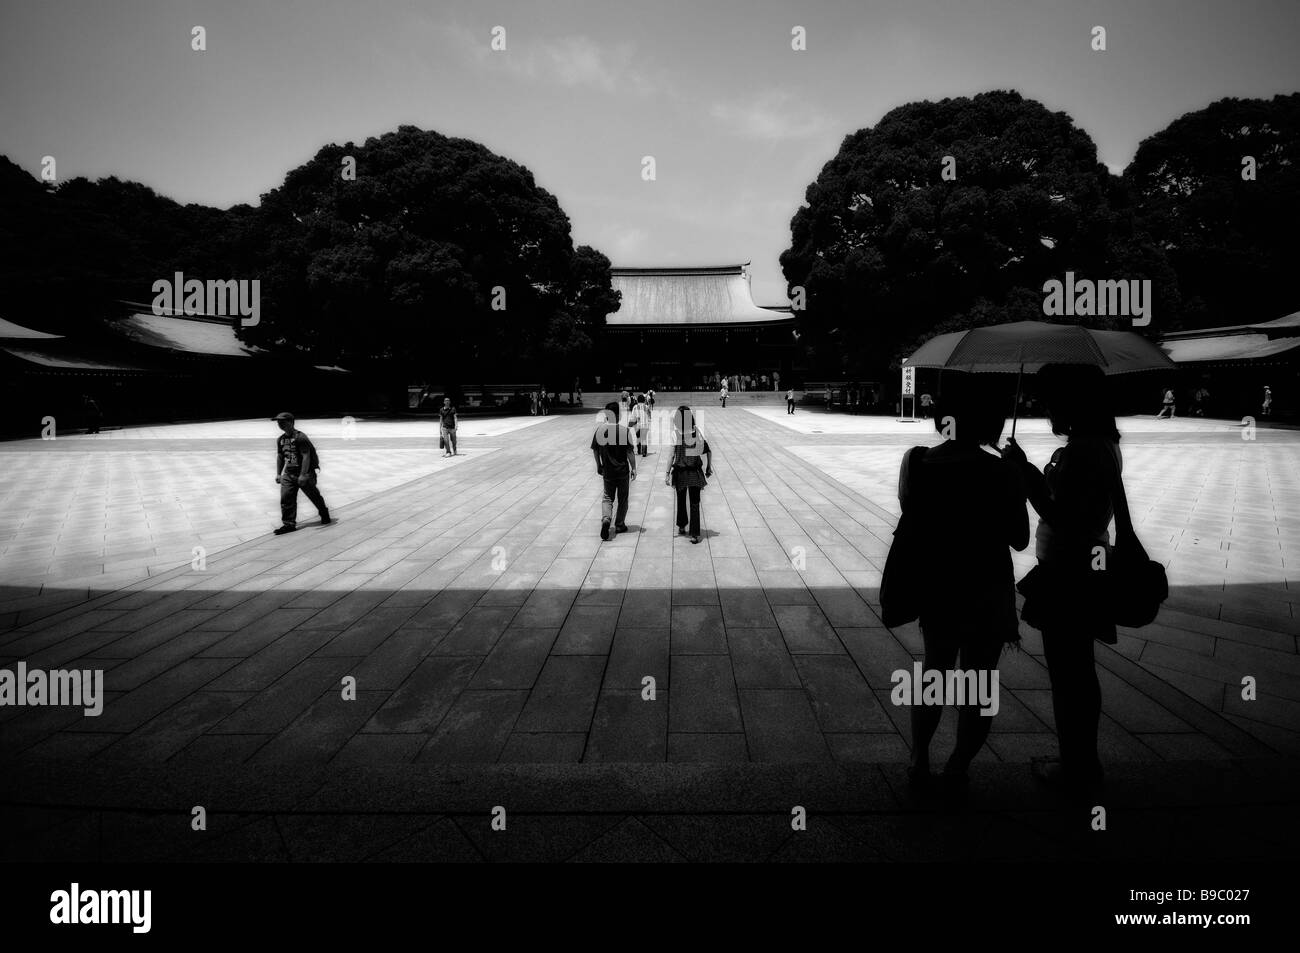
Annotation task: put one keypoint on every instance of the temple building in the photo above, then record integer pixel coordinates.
(1234, 364)
(139, 366)
(678, 327)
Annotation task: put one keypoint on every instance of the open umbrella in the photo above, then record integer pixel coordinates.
(1030, 345)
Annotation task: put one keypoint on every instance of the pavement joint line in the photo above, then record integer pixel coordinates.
(1007, 811)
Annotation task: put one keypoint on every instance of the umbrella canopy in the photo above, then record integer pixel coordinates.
(1029, 345)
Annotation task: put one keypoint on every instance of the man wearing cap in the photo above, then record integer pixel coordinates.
(296, 464)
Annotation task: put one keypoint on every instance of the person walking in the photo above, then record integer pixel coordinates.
(447, 427)
(614, 448)
(94, 417)
(1267, 407)
(1200, 401)
(722, 395)
(789, 401)
(296, 463)
(969, 508)
(640, 421)
(1075, 497)
(1167, 405)
(689, 466)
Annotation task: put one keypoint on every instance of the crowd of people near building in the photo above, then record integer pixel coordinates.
(765, 380)
(738, 383)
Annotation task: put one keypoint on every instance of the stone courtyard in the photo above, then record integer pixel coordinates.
(500, 650)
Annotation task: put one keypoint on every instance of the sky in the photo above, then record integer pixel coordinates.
(739, 123)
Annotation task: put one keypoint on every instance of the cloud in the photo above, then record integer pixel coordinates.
(627, 243)
(571, 61)
(774, 116)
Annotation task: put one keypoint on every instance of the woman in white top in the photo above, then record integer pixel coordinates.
(1074, 496)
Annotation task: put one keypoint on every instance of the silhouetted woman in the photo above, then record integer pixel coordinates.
(969, 505)
(1074, 497)
(688, 466)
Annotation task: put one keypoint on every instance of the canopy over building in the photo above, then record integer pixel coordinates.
(1234, 364)
(136, 365)
(1270, 342)
(16, 332)
(26, 351)
(677, 327)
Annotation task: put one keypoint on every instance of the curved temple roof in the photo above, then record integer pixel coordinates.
(193, 335)
(16, 332)
(687, 296)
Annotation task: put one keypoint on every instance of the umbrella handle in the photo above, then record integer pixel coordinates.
(1015, 409)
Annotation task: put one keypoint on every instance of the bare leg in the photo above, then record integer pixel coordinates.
(972, 727)
(941, 654)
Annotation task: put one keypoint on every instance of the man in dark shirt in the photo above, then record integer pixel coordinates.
(296, 464)
(614, 448)
(447, 423)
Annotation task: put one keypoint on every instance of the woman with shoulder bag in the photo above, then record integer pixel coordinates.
(964, 510)
(1081, 584)
(690, 463)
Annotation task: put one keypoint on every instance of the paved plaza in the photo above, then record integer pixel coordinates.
(501, 650)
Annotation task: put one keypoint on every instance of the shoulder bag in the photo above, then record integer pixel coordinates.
(1134, 585)
(901, 582)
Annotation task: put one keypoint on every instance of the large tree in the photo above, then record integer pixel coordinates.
(1231, 239)
(70, 253)
(440, 258)
(889, 251)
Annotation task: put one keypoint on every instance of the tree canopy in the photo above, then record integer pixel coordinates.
(439, 255)
(1229, 231)
(398, 267)
(67, 253)
(890, 250)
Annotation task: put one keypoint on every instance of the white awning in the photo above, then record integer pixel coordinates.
(1228, 347)
(16, 332)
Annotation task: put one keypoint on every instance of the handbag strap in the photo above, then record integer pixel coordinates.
(1123, 519)
(914, 458)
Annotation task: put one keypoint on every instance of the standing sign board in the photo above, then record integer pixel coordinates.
(907, 403)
